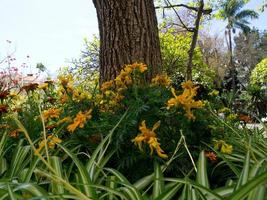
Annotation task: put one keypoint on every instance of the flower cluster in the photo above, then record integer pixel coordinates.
(124, 78)
(186, 99)
(67, 90)
(51, 143)
(51, 113)
(80, 120)
(222, 146)
(161, 80)
(149, 136)
(112, 91)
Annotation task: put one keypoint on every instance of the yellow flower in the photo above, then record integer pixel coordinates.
(124, 78)
(107, 85)
(186, 99)
(222, 146)
(188, 85)
(12, 94)
(43, 86)
(65, 80)
(80, 120)
(139, 66)
(65, 119)
(51, 143)
(63, 97)
(163, 80)
(173, 101)
(79, 94)
(154, 144)
(226, 148)
(51, 113)
(149, 136)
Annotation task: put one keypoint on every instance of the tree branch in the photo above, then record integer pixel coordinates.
(205, 11)
(175, 11)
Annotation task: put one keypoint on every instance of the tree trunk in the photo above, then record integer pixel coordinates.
(231, 62)
(230, 47)
(194, 41)
(128, 33)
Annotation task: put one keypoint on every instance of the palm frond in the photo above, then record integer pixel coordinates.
(245, 28)
(246, 14)
(233, 6)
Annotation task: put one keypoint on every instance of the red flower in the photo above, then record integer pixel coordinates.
(245, 118)
(211, 156)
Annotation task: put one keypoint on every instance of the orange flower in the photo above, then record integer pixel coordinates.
(65, 119)
(51, 113)
(51, 143)
(107, 85)
(211, 155)
(186, 99)
(65, 80)
(163, 80)
(149, 136)
(15, 133)
(79, 120)
(139, 66)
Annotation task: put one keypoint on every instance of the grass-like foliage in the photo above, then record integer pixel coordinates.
(128, 138)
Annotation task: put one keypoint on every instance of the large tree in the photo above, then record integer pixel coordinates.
(231, 11)
(249, 50)
(128, 33)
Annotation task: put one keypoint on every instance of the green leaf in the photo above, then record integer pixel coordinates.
(158, 187)
(129, 190)
(19, 160)
(99, 157)
(2, 144)
(202, 177)
(57, 188)
(195, 185)
(143, 182)
(248, 187)
(224, 191)
(245, 172)
(86, 182)
(11, 194)
(169, 193)
(3, 165)
(112, 184)
(27, 176)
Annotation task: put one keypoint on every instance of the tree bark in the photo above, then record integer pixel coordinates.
(231, 61)
(230, 47)
(128, 33)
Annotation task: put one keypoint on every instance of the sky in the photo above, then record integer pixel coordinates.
(52, 31)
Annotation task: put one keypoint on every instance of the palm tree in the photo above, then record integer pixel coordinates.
(231, 11)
